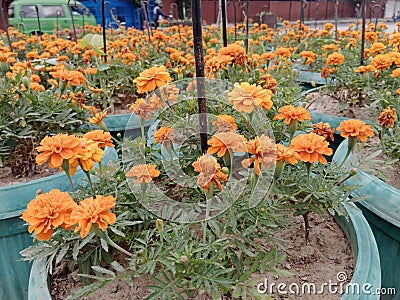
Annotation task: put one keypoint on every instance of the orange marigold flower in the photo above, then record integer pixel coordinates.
(245, 97)
(330, 47)
(268, 81)
(355, 128)
(395, 73)
(311, 147)
(210, 171)
(309, 56)
(237, 52)
(73, 77)
(328, 26)
(89, 153)
(151, 79)
(97, 118)
(381, 62)
(377, 48)
(91, 71)
(387, 117)
(286, 154)
(335, 59)
(141, 108)
(225, 141)
(263, 150)
(283, 52)
(289, 113)
(92, 211)
(224, 123)
(164, 135)
(57, 148)
(48, 211)
(143, 172)
(104, 139)
(325, 71)
(324, 129)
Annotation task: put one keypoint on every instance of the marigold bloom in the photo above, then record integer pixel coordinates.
(104, 139)
(225, 141)
(355, 128)
(97, 119)
(73, 77)
(381, 62)
(387, 117)
(263, 150)
(48, 211)
(224, 123)
(325, 71)
(283, 52)
(309, 56)
(57, 148)
(237, 52)
(395, 73)
(143, 172)
(151, 79)
(142, 108)
(92, 211)
(335, 59)
(268, 81)
(210, 171)
(245, 97)
(164, 135)
(89, 153)
(289, 113)
(311, 147)
(286, 154)
(324, 129)
(377, 48)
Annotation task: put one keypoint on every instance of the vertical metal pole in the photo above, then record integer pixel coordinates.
(234, 16)
(336, 20)
(199, 59)
(224, 35)
(38, 20)
(246, 41)
(103, 24)
(316, 15)
(301, 14)
(363, 7)
(73, 21)
(83, 20)
(3, 17)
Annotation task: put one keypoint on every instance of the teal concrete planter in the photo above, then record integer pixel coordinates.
(367, 267)
(310, 80)
(14, 236)
(127, 125)
(382, 210)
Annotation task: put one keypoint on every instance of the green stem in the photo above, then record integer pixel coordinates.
(352, 140)
(104, 236)
(65, 167)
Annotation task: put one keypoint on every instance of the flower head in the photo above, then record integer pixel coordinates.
(143, 172)
(224, 123)
(151, 79)
(286, 154)
(355, 128)
(387, 117)
(97, 119)
(210, 171)
(142, 108)
(164, 135)
(245, 97)
(48, 211)
(335, 59)
(324, 129)
(101, 137)
(56, 148)
(225, 141)
(93, 211)
(263, 151)
(311, 147)
(289, 113)
(89, 153)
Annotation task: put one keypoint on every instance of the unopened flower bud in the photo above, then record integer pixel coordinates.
(184, 258)
(353, 171)
(160, 225)
(225, 170)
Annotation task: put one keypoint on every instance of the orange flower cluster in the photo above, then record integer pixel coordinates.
(324, 129)
(70, 77)
(309, 56)
(143, 173)
(92, 211)
(263, 151)
(289, 113)
(164, 135)
(387, 117)
(210, 172)
(355, 128)
(245, 97)
(286, 154)
(236, 52)
(311, 147)
(151, 79)
(225, 141)
(224, 123)
(335, 59)
(47, 212)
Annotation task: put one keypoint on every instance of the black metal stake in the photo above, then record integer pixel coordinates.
(223, 17)
(72, 20)
(58, 14)
(38, 20)
(246, 41)
(199, 59)
(234, 16)
(145, 9)
(316, 15)
(3, 17)
(103, 24)
(362, 31)
(83, 20)
(336, 20)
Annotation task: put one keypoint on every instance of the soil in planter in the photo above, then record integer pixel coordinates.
(6, 177)
(327, 253)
